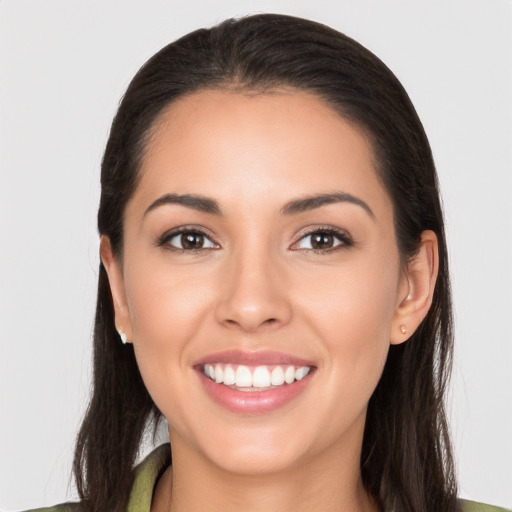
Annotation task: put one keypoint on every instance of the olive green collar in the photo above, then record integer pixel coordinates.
(152, 467)
(146, 476)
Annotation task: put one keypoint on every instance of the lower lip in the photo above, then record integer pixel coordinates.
(253, 402)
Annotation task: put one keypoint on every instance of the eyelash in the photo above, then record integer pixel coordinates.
(168, 236)
(342, 236)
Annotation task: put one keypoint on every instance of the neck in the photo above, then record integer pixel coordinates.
(329, 481)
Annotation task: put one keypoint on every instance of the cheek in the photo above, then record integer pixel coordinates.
(165, 302)
(352, 315)
(354, 301)
(167, 309)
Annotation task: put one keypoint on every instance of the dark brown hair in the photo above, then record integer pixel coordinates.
(406, 462)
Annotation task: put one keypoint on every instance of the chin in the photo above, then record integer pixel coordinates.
(256, 459)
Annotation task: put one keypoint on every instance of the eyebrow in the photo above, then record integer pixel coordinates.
(303, 204)
(306, 203)
(196, 202)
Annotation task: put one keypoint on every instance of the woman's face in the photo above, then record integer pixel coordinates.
(259, 239)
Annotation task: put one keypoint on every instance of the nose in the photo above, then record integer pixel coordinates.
(253, 294)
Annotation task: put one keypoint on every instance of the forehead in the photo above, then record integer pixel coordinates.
(240, 145)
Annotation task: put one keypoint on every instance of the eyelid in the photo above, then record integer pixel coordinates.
(341, 234)
(163, 240)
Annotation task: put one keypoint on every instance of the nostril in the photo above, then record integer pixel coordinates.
(269, 322)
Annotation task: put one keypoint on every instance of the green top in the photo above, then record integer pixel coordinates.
(148, 471)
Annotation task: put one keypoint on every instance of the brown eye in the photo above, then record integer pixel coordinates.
(324, 240)
(192, 240)
(188, 241)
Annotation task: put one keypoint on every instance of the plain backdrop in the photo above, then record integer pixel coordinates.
(64, 65)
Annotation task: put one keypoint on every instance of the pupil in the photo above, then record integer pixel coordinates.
(321, 241)
(192, 241)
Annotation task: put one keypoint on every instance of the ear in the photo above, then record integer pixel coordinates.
(116, 281)
(416, 289)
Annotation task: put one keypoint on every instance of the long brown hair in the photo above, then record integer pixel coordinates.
(406, 463)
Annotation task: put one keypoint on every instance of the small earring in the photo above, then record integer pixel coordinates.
(123, 336)
(403, 329)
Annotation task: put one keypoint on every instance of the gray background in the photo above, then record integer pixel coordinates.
(64, 65)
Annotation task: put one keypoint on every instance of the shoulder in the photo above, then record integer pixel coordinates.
(473, 506)
(146, 476)
(64, 507)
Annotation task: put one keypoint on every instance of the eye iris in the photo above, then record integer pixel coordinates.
(322, 241)
(192, 241)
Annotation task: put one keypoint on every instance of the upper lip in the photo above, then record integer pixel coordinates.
(259, 358)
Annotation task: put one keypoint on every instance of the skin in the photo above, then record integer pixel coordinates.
(258, 286)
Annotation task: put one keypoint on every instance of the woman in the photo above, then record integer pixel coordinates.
(274, 283)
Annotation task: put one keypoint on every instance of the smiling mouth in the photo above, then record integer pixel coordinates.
(255, 378)
(259, 382)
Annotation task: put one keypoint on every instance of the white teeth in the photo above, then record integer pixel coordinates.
(261, 377)
(301, 372)
(229, 375)
(289, 375)
(277, 376)
(209, 371)
(219, 373)
(243, 377)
